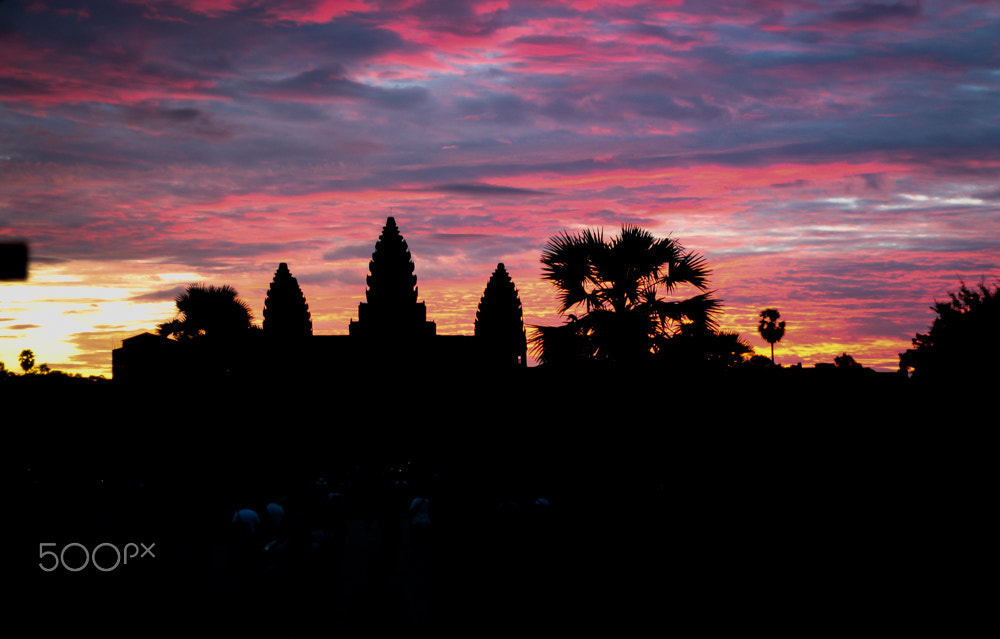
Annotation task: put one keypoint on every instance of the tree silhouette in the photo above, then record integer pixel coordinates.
(27, 360)
(499, 319)
(845, 361)
(963, 341)
(705, 350)
(286, 313)
(215, 312)
(724, 349)
(770, 328)
(619, 284)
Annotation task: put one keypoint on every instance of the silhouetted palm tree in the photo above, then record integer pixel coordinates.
(770, 328)
(618, 283)
(27, 360)
(705, 350)
(724, 349)
(213, 311)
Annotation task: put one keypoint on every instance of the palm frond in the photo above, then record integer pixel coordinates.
(618, 282)
(558, 345)
(701, 311)
(690, 268)
(566, 262)
(173, 328)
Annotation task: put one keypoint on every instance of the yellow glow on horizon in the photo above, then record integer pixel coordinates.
(72, 315)
(56, 329)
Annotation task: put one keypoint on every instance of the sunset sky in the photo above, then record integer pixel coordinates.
(838, 160)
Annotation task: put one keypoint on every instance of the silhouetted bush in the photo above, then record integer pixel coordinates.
(963, 342)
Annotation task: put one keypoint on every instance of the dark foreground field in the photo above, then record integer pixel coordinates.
(557, 503)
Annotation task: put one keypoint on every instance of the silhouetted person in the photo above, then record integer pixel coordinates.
(420, 525)
(246, 521)
(273, 520)
(244, 555)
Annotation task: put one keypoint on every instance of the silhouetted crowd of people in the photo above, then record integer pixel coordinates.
(384, 548)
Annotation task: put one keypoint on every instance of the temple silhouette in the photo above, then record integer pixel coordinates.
(391, 331)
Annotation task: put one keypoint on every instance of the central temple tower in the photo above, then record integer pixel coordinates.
(391, 310)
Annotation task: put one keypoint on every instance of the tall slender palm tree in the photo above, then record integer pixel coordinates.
(770, 328)
(616, 286)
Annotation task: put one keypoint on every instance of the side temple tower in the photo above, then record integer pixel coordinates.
(500, 323)
(286, 313)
